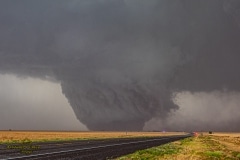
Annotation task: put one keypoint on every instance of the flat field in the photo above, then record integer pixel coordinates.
(17, 136)
(216, 146)
(228, 134)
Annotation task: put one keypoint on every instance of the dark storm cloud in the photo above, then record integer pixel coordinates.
(119, 62)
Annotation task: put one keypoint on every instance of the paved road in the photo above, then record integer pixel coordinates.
(87, 150)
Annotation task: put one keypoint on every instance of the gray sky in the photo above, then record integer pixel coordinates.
(29, 103)
(121, 64)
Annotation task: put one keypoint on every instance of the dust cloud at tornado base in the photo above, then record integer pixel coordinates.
(201, 111)
(122, 63)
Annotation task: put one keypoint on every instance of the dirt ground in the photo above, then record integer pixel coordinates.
(12, 136)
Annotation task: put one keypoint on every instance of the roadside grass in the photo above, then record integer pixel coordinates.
(197, 148)
(152, 153)
(217, 154)
(236, 154)
(186, 141)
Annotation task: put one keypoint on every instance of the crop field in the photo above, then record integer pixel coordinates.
(217, 146)
(16, 136)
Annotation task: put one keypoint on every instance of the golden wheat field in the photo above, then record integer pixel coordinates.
(11, 136)
(230, 140)
(230, 134)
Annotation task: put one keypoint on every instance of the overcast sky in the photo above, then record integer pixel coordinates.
(30, 103)
(120, 64)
